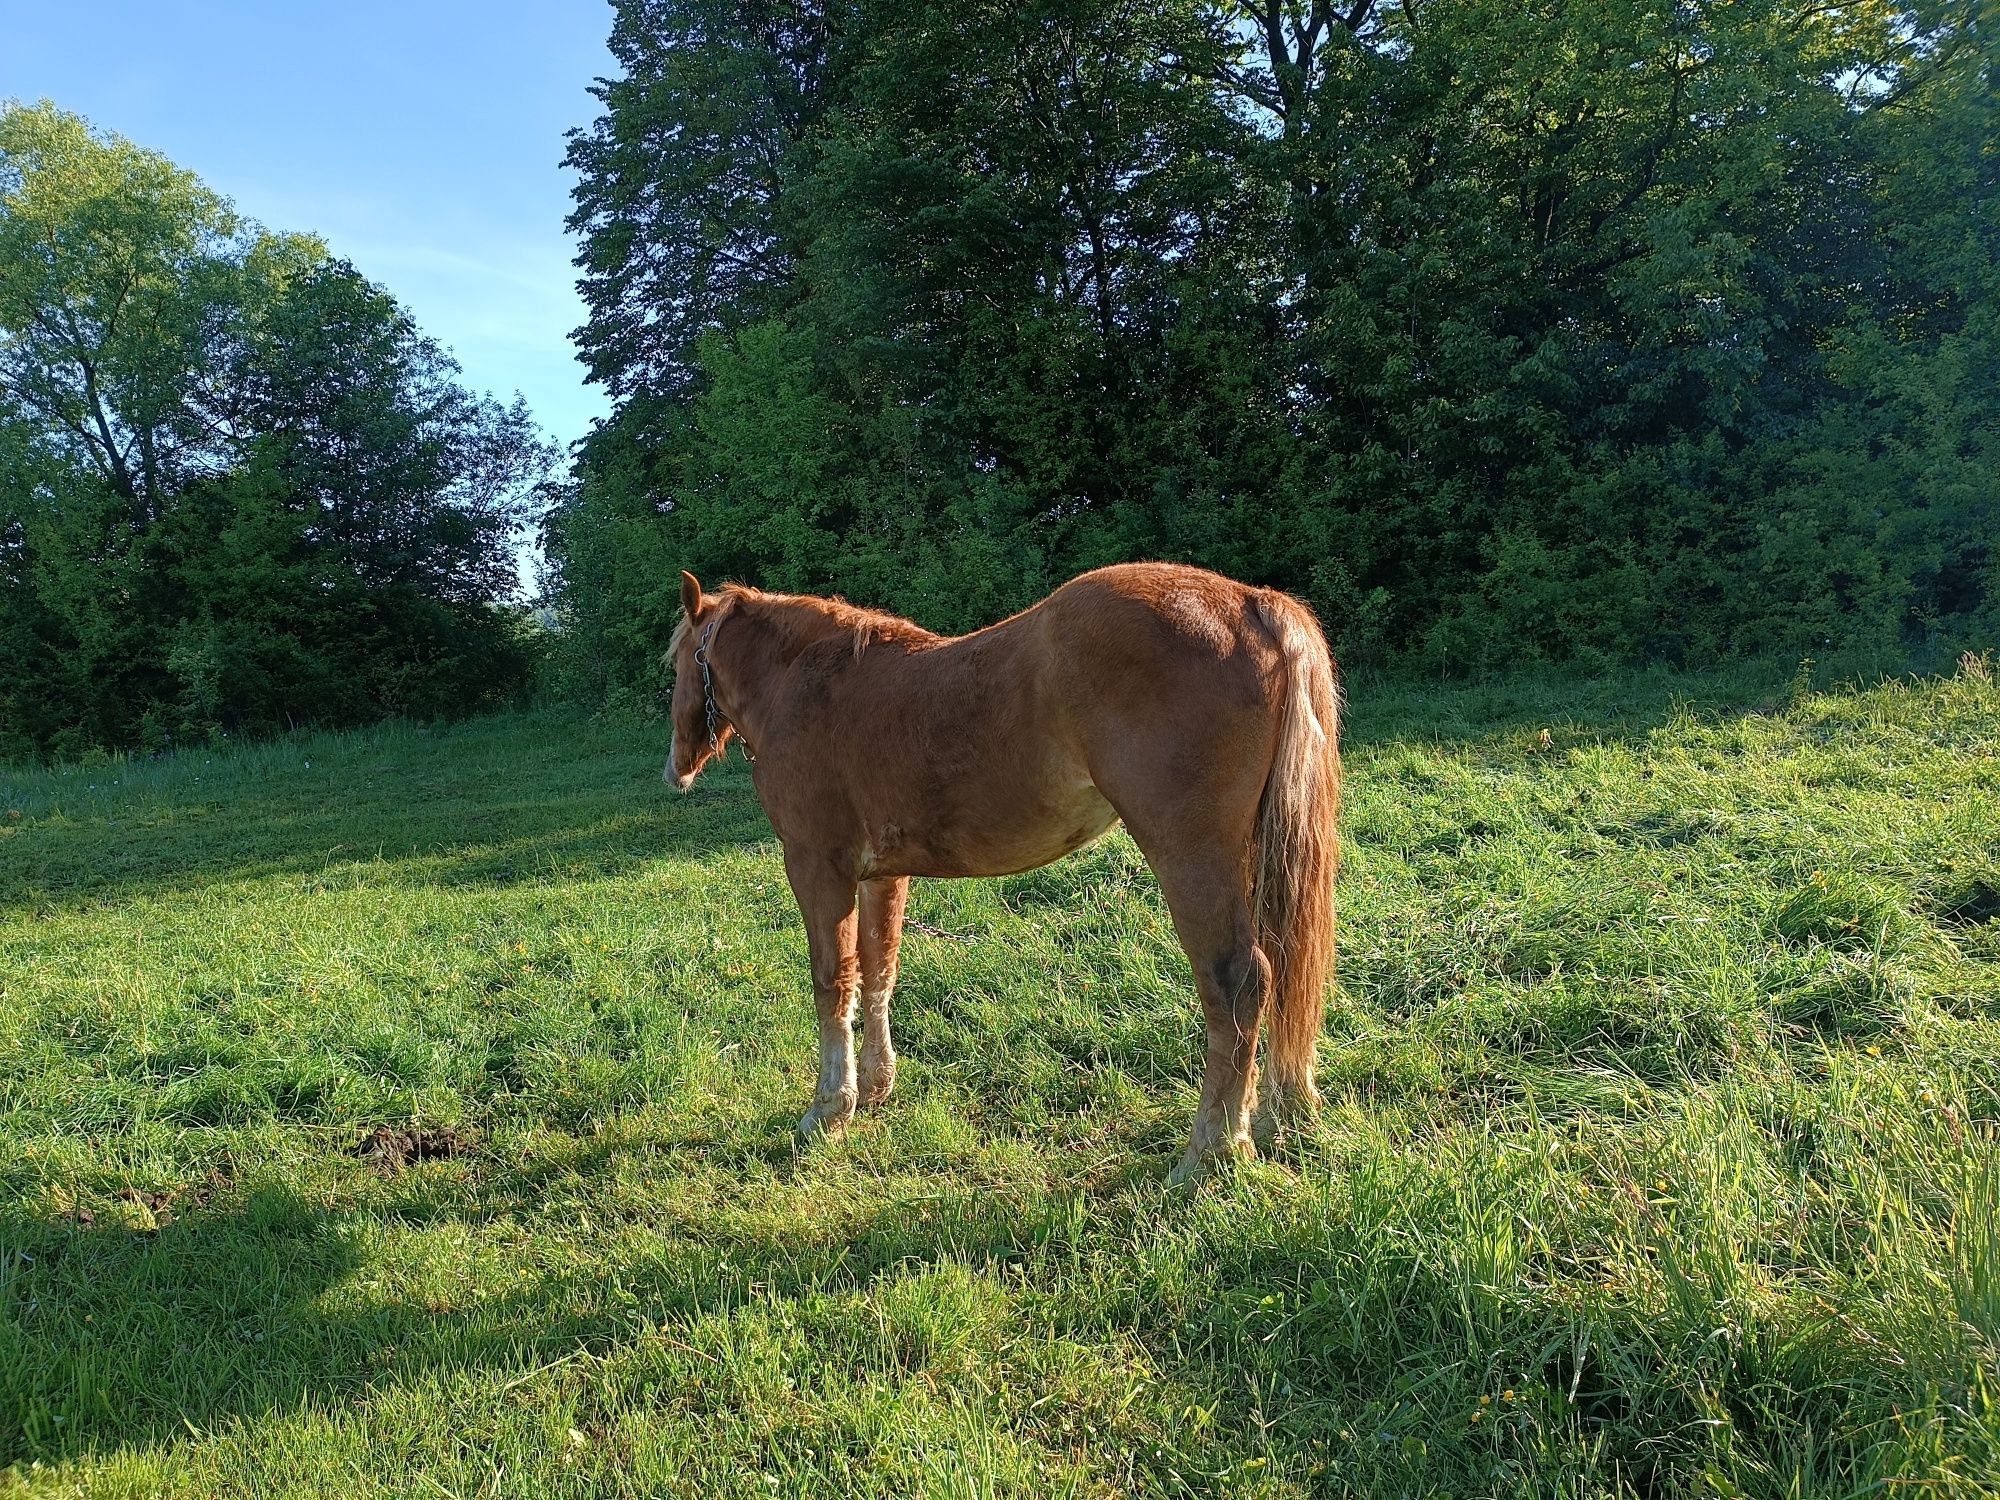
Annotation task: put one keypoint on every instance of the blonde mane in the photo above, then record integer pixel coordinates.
(802, 619)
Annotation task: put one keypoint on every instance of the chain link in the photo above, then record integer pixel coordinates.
(707, 684)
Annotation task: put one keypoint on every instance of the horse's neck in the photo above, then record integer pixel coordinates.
(756, 642)
(782, 628)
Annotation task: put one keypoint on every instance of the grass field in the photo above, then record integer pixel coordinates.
(408, 1113)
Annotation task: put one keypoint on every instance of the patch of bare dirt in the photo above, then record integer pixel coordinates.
(391, 1150)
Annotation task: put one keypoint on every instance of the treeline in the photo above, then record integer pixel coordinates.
(238, 489)
(1589, 330)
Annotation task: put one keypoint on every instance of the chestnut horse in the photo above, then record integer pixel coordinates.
(1203, 712)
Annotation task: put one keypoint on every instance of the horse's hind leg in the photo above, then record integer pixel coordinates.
(882, 903)
(1211, 912)
(826, 901)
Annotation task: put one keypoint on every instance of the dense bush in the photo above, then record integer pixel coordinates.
(238, 489)
(1562, 331)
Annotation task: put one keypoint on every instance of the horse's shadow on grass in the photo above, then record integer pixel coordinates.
(260, 1304)
(120, 1341)
(117, 1339)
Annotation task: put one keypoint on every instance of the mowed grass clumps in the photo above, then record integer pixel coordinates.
(410, 1112)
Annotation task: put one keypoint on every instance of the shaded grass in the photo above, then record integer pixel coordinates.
(1659, 1156)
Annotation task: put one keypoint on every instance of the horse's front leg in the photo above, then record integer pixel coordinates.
(882, 903)
(825, 892)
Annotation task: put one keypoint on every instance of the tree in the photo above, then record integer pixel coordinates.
(1570, 330)
(242, 490)
(681, 196)
(118, 268)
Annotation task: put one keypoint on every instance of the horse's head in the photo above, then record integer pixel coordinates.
(700, 731)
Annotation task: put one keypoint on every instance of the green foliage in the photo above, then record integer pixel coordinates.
(1561, 332)
(407, 1111)
(240, 491)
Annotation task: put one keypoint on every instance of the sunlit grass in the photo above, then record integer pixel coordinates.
(1658, 1157)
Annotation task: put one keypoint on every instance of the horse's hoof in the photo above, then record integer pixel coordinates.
(875, 1076)
(1197, 1165)
(1270, 1131)
(822, 1121)
(875, 1089)
(1282, 1118)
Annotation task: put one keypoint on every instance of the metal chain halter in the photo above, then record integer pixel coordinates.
(707, 683)
(708, 707)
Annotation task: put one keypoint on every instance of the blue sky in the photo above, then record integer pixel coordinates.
(422, 139)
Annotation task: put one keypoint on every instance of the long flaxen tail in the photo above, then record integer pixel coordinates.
(1298, 855)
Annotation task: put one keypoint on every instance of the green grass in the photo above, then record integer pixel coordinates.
(1659, 1157)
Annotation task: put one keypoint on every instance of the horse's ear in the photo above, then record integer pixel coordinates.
(690, 594)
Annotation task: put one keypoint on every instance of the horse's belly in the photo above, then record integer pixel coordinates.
(1004, 836)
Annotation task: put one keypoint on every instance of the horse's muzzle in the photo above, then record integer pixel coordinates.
(681, 780)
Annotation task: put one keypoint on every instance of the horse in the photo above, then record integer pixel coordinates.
(1203, 712)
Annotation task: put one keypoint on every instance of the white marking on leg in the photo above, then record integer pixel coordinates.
(836, 1061)
(833, 1100)
(876, 1074)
